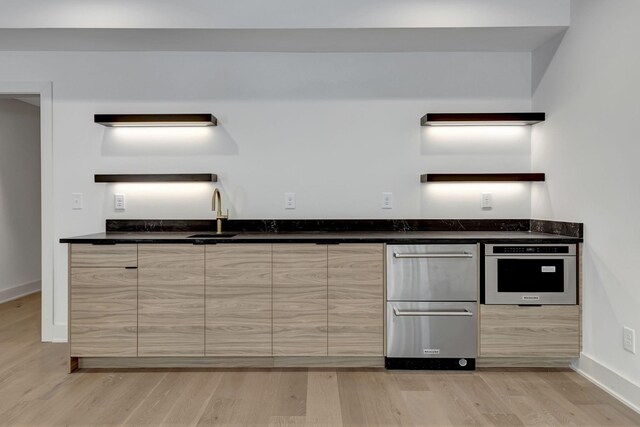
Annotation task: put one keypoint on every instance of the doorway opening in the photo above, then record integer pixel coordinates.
(20, 206)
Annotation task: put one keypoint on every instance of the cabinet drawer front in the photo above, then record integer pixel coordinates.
(432, 272)
(414, 329)
(104, 255)
(299, 256)
(514, 331)
(172, 265)
(103, 312)
(242, 264)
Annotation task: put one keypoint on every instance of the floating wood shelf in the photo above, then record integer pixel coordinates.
(184, 177)
(133, 120)
(481, 119)
(482, 177)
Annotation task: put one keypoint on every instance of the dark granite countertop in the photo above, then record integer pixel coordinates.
(400, 237)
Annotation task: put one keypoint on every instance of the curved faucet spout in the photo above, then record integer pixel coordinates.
(216, 206)
(216, 199)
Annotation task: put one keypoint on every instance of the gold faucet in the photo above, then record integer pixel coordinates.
(216, 200)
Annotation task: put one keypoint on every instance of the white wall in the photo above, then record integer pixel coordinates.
(589, 149)
(282, 13)
(337, 129)
(19, 198)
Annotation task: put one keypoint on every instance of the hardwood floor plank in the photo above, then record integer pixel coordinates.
(291, 394)
(323, 399)
(425, 408)
(564, 412)
(411, 380)
(194, 398)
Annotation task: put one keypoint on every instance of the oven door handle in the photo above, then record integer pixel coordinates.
(434, 255)
(463, 312)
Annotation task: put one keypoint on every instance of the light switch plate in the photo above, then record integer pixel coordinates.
(289, 200)
(119, 202)
(76, 201)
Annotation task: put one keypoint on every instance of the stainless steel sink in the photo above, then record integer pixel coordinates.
(212, 236)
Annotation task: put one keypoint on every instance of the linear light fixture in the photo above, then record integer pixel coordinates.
(149, 120)
(183, 177)
(481, 119)
(482, 177)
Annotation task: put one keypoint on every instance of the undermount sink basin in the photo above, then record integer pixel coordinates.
(213, 236)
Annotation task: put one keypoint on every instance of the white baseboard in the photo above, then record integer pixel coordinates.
(59, 333)
(610, 381)
(19, 291)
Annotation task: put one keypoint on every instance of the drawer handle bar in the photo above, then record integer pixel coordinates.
(435, 255)
(433, 313)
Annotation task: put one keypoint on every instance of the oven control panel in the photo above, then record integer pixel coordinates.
(564, 249)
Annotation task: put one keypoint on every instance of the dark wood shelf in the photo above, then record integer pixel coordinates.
(183, 177)
(479, 119)
(133, 120)
(482, 177)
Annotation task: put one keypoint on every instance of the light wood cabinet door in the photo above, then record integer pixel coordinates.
(521, 331)
(238, 300)
(103, 312)
(300, 300)
(171, 300)
(356, 313)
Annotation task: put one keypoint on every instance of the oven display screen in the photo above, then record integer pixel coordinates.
(530, 275)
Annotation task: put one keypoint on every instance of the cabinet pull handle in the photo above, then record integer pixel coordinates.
(435, 255)
(131, 268)
(463, 312)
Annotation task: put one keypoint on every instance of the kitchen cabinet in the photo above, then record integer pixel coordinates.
(530, 331)
(238, 300)
(102, 300)
(355, 300)
(171, 313)
(300, 300)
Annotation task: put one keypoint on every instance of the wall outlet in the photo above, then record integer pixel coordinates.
(289, 200)
(487, 201)
(76, 201)
(118, 202)
(629, 339)
(387, 200)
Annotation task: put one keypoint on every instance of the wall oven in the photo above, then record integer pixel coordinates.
(531, 274)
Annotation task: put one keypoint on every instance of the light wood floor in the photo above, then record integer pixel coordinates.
(36, 390)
